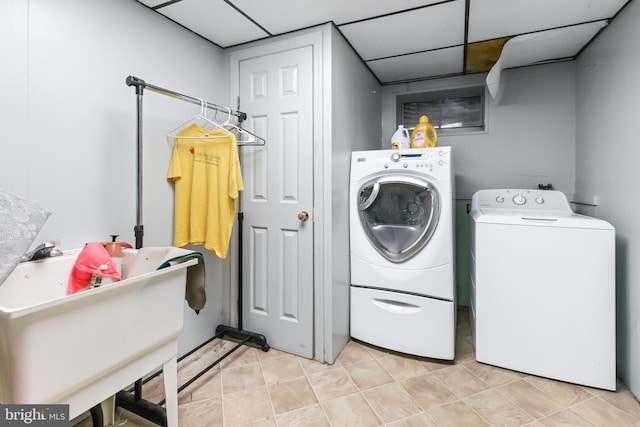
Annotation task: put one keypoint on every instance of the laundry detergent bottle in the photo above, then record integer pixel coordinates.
(400, 138)
(424, 134)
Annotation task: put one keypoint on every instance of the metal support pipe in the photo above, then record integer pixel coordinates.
(139, 83)
(139, 228)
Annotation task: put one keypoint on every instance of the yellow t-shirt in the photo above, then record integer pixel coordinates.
(207, 180)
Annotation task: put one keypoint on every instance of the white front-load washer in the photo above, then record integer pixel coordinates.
(542, 287)
(402, 250)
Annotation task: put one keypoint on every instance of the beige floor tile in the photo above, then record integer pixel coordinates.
(564, 418)
(460, 381)
(492, 375)
(418, 420)
(241, 378)
(464, 350)
(564, 393)
(313, 366)
(207, 354)
(529, 399)
(191, 368)
(243, 356)
(350, 411)
(282, 368)
(271, 354)
(289, 395)
(428, 391)
(368, 374)
(262, 423)
(310, 416)
(434, 364)
(624, 400)
(153, 389)
(202, 413)
(603, 414)
(497, 410)
(401, 368)
(332, 384)
(246, 406)
(369, 385)
(354, 352)
(391, 402)
(456, 414)
(375, 351)
(207, 386)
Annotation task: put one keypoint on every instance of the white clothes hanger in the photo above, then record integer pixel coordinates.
(252, 139)
(202, 115)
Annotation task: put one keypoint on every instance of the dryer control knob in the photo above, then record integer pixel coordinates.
(500, 199)
(539, 200)
(395, 157)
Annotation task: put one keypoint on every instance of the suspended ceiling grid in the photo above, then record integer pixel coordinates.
(405, 40)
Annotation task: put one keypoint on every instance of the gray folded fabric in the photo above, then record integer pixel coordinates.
(20, 223)
(154, 258)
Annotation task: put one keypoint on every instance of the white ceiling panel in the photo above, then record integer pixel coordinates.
(489, 19)
(423, 29)
(215, 20)
(440, 62)
(280, 16)
(152, 3)
(540, 47)
(402, 40)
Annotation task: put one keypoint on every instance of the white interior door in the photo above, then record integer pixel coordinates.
(277, 253)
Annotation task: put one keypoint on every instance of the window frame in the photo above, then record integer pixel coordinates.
(431, 95)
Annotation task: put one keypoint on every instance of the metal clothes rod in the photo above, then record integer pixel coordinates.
(141, 84)
(134, 402)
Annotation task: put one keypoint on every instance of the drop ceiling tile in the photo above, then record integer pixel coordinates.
(439, 62)
(481, 56)
(423, 29)
(280, 16)
(559, 43)
(489, 19)
(152, 3)
(215, 20)
(541, 47)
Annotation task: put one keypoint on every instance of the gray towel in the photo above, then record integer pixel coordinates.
(154, 258)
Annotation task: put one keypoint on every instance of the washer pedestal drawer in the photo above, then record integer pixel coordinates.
(406, 323)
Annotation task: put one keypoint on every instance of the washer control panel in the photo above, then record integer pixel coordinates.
(521, 200)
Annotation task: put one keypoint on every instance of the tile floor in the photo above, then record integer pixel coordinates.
(369, 386)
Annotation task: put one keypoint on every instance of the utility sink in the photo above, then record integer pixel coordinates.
(81, 349)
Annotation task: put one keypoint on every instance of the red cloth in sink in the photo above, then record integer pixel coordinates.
(93, 259)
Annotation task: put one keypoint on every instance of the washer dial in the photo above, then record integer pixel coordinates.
(519, 199)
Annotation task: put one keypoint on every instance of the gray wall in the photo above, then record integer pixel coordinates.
(608, 94)
(69, 124)
(355, 125)
(530, 139)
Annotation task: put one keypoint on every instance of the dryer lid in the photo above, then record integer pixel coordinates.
(399, 214)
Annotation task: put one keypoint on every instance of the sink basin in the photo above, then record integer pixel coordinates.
(81, 349)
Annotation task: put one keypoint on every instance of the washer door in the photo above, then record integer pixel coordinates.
(399, 214)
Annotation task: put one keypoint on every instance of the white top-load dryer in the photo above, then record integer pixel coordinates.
(543, 287)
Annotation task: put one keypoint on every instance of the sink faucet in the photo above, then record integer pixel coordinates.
(44, 250)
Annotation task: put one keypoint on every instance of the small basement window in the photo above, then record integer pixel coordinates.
(451, 111)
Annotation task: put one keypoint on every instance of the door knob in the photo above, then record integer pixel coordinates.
(303, 216)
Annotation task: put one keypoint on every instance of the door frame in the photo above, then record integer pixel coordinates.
(318, 39)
